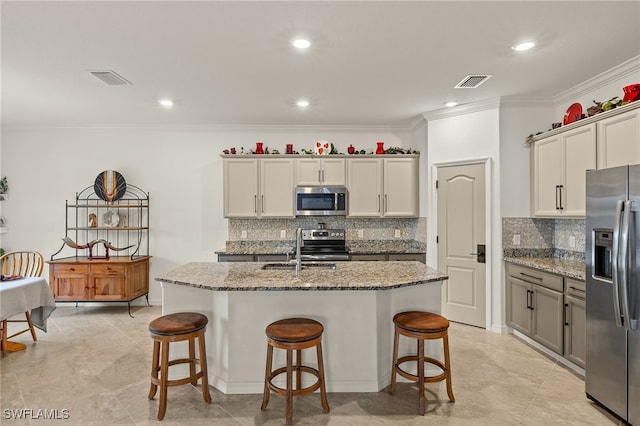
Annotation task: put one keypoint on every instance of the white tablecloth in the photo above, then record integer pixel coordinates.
(27, 294)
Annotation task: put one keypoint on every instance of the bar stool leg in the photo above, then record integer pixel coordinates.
(164, 372)
(265, 395)
(421, 376)
(323, 391)
(202, 353)
(155, 362)
(396, 336)
(298, 370)
(289, 387)
(447, 366)
(192, 362)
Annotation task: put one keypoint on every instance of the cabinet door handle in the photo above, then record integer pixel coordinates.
(262, 204)
(319, 177)
(322, 175)
(386, 204)
(378, 203)
(557, 204)
(255, 204)
(566, 314)
(561, 187)
(528, 303)
(531, 276)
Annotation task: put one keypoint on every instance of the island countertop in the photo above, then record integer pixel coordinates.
(249, 276)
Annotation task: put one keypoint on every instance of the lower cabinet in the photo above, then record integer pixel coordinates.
(536, 305)
(575, 345)
(82, 280)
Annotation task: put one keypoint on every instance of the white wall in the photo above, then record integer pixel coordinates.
(459, 138)
(180, 168)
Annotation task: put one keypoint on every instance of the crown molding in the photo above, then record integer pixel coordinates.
(463, 109)
(407, 126)
(619, 71)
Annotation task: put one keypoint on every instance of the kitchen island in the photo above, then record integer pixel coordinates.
(355, 302)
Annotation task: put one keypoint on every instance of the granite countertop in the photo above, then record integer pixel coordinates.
(248, 276)
(355, 247)
(566, 267)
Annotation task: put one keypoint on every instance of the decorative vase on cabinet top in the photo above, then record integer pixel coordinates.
(380, 149)
(259, 149)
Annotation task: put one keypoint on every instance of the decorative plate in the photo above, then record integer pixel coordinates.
(322, 147)
(110, 219)
(110, 185)
(572, 111)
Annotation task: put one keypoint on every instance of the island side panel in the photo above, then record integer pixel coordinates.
(357, 342)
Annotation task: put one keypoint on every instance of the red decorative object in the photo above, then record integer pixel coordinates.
(351, 149)
(631, 93)
(259, 149)
(289, 148)
(380, 149)
(573, 111)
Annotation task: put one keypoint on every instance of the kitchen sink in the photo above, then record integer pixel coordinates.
(292, 266)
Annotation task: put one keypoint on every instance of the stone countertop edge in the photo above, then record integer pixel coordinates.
(568, 268)
(248, 276)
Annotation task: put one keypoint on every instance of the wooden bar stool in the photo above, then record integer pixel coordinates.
(294, 334)
(176, 328)
(421, 326)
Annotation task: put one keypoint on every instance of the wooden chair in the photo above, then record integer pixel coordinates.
(26, 264)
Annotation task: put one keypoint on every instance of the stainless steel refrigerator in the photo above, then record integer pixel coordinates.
(613, 290)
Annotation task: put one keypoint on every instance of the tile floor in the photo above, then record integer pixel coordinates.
(94, 362)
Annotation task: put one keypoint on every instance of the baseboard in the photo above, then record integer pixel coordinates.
(551, 354)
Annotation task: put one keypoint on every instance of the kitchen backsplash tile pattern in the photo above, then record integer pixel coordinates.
(356, 229)
(562, 238)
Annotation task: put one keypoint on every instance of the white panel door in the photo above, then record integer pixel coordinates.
(547, 176)
(461, 228)
(240, 187)
(619, 140)
(579, 155)
(364, 182)
(400, 187)
(277, 187)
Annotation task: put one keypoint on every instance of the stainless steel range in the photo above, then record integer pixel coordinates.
(323, 244)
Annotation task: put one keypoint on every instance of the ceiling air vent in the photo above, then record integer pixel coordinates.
(472, 81)
(111, 78)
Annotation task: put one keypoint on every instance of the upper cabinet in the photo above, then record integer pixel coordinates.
(321, 171)
(559, 165)
(383, 187)
(258, 187)
(560, 159)
(619, 140)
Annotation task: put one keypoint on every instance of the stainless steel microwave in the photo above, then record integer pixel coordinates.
(321, 201)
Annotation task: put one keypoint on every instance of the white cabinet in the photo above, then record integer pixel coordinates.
(321, 171)
(559, 165)
(364, 183)
(619, 140)
(383, 187)
(259, 187)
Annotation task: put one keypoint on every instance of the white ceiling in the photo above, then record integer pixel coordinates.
(231, 63)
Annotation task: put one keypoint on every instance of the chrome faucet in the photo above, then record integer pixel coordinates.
(299, 244)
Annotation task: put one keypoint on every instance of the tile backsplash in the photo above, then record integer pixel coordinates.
(543, 237)
(356, 228)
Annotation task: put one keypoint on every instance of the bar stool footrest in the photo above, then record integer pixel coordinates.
(296, 392)
(414, 378)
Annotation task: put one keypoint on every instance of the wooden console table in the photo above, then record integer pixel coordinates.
(117, 279)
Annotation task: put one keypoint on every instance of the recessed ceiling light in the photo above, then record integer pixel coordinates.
(302, 103)
(450, 104)
(301, 43)
(524, 45)
(168, 103)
